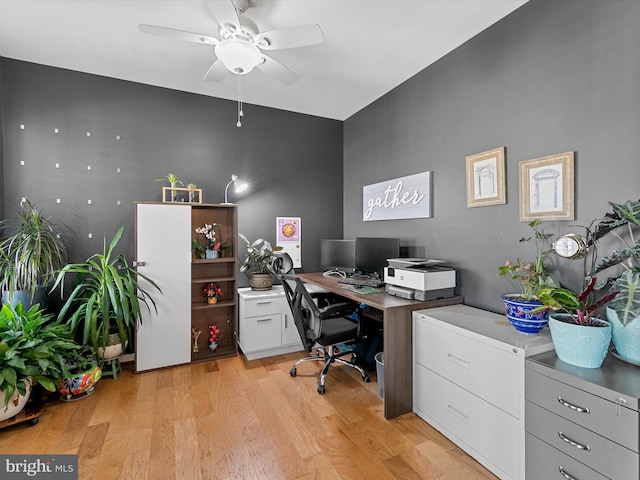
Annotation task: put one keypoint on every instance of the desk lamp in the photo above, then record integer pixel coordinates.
(240, 186)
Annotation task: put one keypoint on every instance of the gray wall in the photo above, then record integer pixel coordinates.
(292, 161)
(552, 77)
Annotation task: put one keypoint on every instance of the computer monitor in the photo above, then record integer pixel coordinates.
(372, 254)
(338, 255)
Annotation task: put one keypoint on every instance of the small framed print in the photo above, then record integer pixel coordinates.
(486, 184)
(547, 188)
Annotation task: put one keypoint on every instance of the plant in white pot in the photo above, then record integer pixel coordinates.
(530, 276)
(622, 267)
(32, 350)
(580, 337)
(259, 262)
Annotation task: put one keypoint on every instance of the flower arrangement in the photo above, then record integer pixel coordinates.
(532, 275)
(212, 291)
(214, 332)
(208, 230)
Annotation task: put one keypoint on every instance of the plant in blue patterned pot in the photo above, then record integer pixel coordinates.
(530, 276)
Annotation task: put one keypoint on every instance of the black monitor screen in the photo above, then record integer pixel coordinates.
(338, 255)
(372, 254)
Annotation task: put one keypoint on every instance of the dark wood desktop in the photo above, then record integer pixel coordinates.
(397, 327)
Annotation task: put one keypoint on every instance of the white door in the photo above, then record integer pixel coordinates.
(163, 253)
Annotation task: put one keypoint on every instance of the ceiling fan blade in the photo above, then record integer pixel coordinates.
(216, 72)
(278, 71)
(290, 37)
(177, 34)
(224, 12)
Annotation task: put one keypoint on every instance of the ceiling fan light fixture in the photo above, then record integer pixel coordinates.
(239, 56)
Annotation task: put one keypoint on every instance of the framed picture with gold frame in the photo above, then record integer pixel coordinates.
(486, 184)
(547, 188)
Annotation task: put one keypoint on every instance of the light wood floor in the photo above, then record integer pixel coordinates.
(233, 419)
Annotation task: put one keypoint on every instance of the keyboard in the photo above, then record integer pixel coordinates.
(362, 282)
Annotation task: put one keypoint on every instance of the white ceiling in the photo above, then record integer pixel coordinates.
(370, 46)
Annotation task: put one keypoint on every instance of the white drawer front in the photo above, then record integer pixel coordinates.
(262, 306)
(492, 373)
(485, 429)
(261, 332)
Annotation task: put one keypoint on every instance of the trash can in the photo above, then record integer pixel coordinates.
(380, 373)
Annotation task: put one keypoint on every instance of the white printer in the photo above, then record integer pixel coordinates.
(419, 278)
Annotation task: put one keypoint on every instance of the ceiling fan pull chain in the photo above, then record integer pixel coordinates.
(240, 113)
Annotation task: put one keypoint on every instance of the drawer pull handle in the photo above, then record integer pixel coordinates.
(263, 320)
(565, 474)
(458, 414)
(285, 320)
(572, 406)
(457, 360)
(264, 303)
(579, 446)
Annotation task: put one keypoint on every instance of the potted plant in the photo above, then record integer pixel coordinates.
(32, 251)
(579, 336)
(32, 349)
(213, 247)
(212, 291)
(173, 180)
(622, 266)
(530, 276)
(258, 263)
(105, 302)
(83, 373)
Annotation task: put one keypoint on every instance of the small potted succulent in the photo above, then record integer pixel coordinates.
(580, 337)
(531, 275)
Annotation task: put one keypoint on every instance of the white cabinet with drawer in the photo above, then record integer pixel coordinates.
(582, 423)
(266, 326)
(469, 382)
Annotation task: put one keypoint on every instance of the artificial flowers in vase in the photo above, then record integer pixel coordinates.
(212, 291)
(214, 332)
(213, 246)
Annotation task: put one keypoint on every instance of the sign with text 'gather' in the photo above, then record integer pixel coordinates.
(400, 198)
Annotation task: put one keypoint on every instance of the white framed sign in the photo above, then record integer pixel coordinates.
(397, 199)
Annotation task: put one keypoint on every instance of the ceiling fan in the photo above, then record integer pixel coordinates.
(239, 45)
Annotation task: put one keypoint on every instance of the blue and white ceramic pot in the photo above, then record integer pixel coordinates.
(519, 314)
(626, 338)
(580, 345)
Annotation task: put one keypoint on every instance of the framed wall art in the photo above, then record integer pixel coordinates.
(486, 183)
(547, 188)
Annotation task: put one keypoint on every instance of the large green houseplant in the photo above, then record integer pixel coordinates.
(259, 262)
(106, 297)
(622, 269)
(32, 251)
(33, 350)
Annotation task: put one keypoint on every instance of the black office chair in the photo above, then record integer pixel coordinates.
(323, 326)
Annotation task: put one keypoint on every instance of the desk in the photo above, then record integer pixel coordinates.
(396, 317)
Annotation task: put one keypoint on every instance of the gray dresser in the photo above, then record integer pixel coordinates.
(581, 423)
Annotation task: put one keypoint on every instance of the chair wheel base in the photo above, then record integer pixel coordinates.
(321, 389)
(366, 379)
(293, 372)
